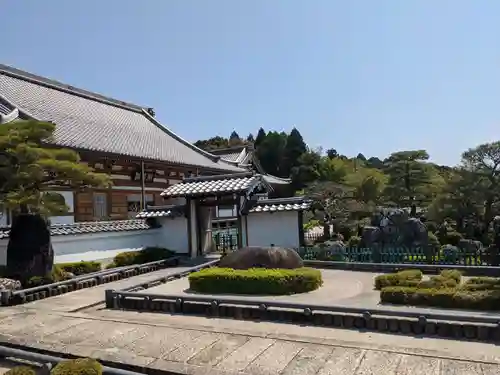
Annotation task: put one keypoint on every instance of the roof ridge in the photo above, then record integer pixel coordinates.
(58, 85)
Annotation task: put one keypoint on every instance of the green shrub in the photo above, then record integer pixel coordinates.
(433, 241)
(149, 254)
(437, 282)
(481, 283)
(452, 274)
(56, 275)
(21, 370)
(450, 238)
(80, 268)
(353, 242)
(255, 281)
(449, 253)
(446, 298)
(80, 366)
(402, 278)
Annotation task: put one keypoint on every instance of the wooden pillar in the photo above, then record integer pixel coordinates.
(300, 220)
(143, 187)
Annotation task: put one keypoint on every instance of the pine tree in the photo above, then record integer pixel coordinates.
(28, 168)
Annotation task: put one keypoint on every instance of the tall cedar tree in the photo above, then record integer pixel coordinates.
(28, 168)
(261, 135)
(294, 149)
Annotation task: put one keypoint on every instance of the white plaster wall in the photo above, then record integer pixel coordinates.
(174, 234)
(95, 245)
(68, 219)
(278, 228)
(3, 218)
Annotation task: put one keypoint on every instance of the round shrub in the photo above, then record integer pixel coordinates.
(353, 242)
(255, 281)
(450, 253)
(79, 366)
(149, 254)
(332, 251)
(21, 370)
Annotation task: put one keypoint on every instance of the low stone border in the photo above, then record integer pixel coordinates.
(394, 267)
(474, 327)
(16, 297)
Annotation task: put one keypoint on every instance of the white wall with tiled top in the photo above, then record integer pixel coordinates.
(279, 229)
(96, 246)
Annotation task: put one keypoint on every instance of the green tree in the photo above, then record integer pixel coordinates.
(483, 162)
(271, 154)
(361, 157)
(460, 200)
(28, 168)
(332, 153)
(261, 135)
(410, 179)
(250, 138)
(234, 139)
(213, 143)
(307, 170)
(295, 147)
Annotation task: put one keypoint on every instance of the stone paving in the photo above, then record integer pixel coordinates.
(197, 345)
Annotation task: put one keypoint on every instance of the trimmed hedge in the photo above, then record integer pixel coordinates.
(255, 281)
(21, 370)
(446, 297)
(402, 278)
(80, 268)
(446, 291)
(149, 254)
(59, 272)
(79, 366)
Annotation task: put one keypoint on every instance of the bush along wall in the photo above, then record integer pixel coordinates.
(445, 290)
(149, 254)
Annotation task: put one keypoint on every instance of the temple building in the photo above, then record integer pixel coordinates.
(142, 156)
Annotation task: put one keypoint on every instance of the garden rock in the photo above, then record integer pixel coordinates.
(9, 284)
(262, 257)
(29, 252)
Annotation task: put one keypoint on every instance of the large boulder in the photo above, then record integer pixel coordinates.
(29, 252)
(262, 257)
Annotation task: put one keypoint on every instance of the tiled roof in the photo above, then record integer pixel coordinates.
(90, 227)
(215, 185)
(162, 211)
(281, 204)
(89, 121)
(273, 180)
(232, 156)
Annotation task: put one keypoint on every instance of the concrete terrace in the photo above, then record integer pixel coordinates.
(197, 345)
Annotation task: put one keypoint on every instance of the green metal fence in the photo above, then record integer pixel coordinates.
(422, 255)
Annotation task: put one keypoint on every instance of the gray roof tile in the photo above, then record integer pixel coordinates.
(214, 185)
(162, 211)
(90, 121)
(281, 204)
(232, 156)
(90, 227)
(5, 108)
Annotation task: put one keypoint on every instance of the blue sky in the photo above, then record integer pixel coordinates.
(359, 76)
